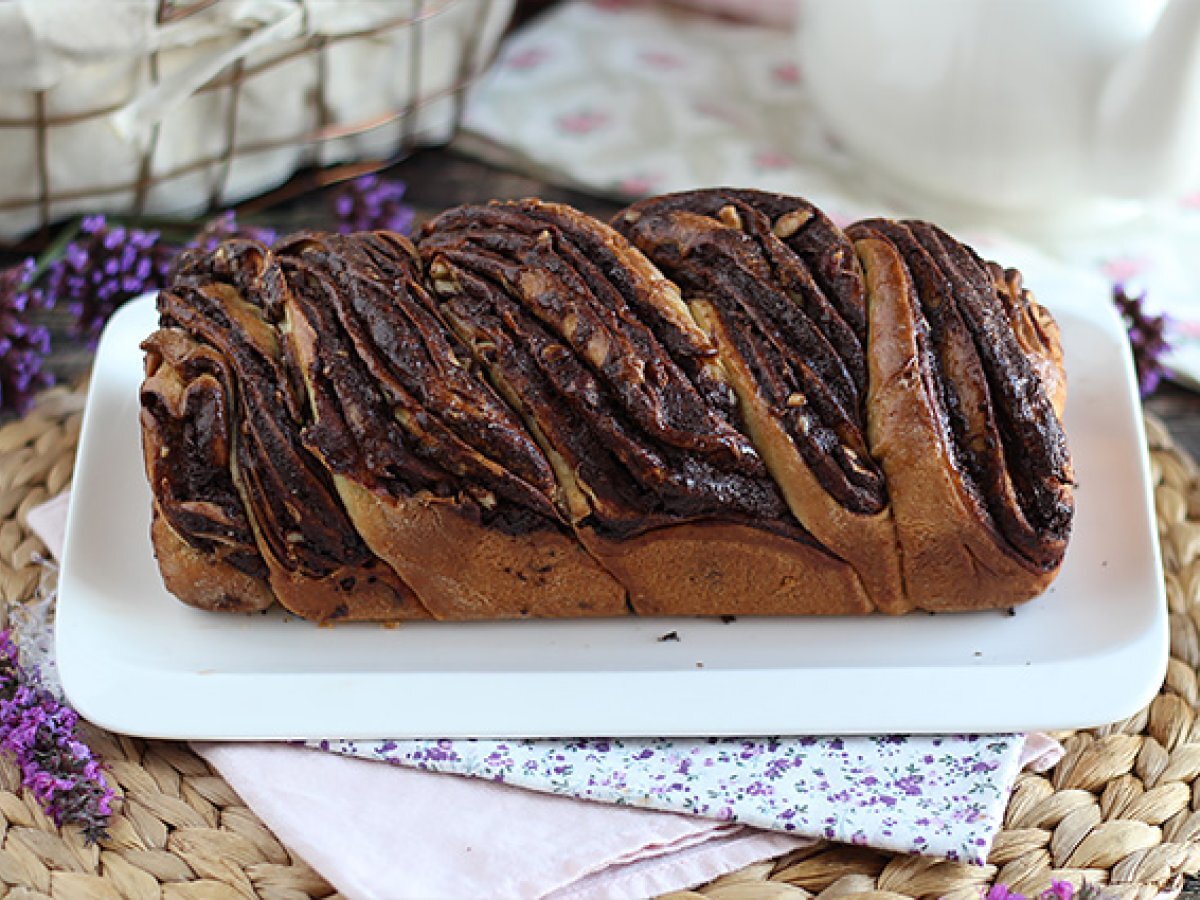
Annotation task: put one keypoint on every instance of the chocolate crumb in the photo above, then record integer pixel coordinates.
(669, 636)
(728, 619)
(1011, 611)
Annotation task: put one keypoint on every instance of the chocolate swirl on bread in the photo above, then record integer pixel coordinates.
(966, 427)
(720, 404)
(206, 547)
(419, 444)
(314, 560)
(794, 351)
(595, 347)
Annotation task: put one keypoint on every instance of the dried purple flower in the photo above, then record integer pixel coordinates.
(105, 266)
(1059, 890)
(1146, 336)
(226, 226)
(371, 203)
(42, 737)
(23, 345)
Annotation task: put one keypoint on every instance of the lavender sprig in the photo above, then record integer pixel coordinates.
(105, 266)
(371, 203)
(1058, 890)
(55, 764)
(226, 226)
(1147, 337)
(23, 345)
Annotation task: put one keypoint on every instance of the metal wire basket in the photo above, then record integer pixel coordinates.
(166, 107)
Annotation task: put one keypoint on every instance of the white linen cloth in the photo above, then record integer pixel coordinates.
(147, 78)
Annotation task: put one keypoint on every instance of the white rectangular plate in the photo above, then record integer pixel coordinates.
(1092, 650)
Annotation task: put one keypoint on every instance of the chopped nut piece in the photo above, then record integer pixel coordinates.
(787, 225)
(729, 216)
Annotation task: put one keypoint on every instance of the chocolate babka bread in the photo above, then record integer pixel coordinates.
(244, 513)
(719, 404)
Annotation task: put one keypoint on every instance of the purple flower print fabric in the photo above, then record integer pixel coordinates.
(940, 796)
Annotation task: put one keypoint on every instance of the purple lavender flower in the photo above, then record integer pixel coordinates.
(41, 734)
(226, 226)
(1058, 890)
(1146, 336)
(101, 269)
(371, 203)
(23, 345)
(1001, 892)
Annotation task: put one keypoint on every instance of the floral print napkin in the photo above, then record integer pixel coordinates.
(940, 796)
(636, 97)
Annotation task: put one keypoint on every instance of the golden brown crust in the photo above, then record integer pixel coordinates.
(201, 579)
(367, 592)
(717, 569)
(779, 293)
(462, 569)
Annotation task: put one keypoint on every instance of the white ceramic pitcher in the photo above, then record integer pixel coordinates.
(1051, 110)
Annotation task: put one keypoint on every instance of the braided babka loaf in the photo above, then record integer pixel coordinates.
(720, 405)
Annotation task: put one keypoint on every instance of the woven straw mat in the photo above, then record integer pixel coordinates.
(1121, 809)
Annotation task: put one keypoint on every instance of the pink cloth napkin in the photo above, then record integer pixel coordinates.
(49, 522)
(383, 831)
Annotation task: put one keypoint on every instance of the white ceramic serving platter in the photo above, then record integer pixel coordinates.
(1092, 650)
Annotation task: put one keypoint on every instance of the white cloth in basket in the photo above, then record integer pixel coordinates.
(216, 105)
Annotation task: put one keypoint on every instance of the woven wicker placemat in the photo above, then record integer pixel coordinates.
(1121, 809)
